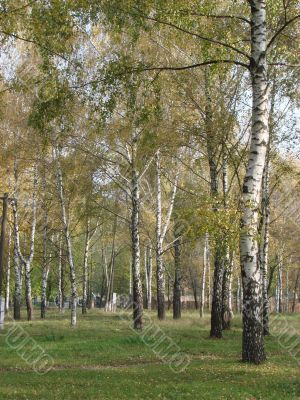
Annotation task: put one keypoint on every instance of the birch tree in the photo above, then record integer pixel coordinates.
(178, 273)
(8, 274)
(45, 262)
(253, 347)
(148, 276)
(27, 262)
(161, 231)
(85, 266)
(67, 234)
(206, 262)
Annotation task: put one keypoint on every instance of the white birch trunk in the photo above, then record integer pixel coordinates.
(149, 273)
(45, 267)
(60, 275)
(237, 300)
(161, 231)
(67, 234)
(27, 262)
(178, 274)
(279, 285)
(287, 291)
(17, 268)
(85, 267)
(8, 270)
(160, 273)
(253, 345)
(135, 241)
(204, 274)
(212, 147)
(295, 291)
(227, 313)
(264, 246)
(130, 279)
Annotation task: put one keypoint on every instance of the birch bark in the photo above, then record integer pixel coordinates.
(264, 246)
(135, 241)
(45, 267)
(227, 313)
(295, 291)
(160, 236)
(160, 273)
(211, 146)
(177, 279)
(148, 273)
(67, 234)
(8, 271)
(60, 277)
(204, 274)
(27, 262)
(85, 267)
(253, 345)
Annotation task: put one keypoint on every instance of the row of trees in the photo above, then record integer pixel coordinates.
(151, 130)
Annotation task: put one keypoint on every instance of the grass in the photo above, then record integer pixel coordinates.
(104, 359)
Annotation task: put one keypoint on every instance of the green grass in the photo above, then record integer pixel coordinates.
(104, 359)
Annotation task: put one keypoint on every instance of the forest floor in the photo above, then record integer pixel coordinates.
(104, 359)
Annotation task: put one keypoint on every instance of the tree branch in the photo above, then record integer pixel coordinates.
(191, 66)
(15, 36)
(281, 29)
(207, 39)
(165, 68)
(193, 13)
(283, 64)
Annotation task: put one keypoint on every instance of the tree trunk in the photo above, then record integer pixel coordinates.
(45, 270)
(227, 313)
(68, 239)
(287, 291)
(279, 286)
(27, 262)
(211, 145)
(60, 277)
(17, 294)
(195, 294)
(85, 267)
(135, 244)
(205, 270)
(110, 274)
(160, 273)
(17, 269)
(160, 236)
(209, 281)
(177, 279)
(8, 271)
(238, 295)
(264, 245)
(216, 309)
(28, 292)
(130, 279)
(2, 250)
(148, 276)
(295, 291)
(169, 297)
(253, 344)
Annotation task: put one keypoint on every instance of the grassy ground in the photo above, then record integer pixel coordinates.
(104, 359)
